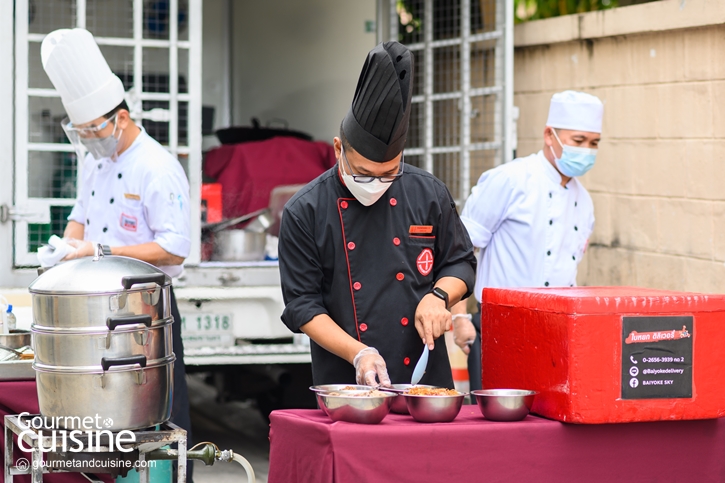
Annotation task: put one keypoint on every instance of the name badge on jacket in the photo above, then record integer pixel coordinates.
(129, 222)
(421, 229)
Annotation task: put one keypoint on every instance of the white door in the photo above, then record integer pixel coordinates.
(460, 123)
(159, 62)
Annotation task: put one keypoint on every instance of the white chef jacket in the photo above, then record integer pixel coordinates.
(141, 197)
(532, 231)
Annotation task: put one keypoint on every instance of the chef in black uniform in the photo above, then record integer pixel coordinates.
(372, 253)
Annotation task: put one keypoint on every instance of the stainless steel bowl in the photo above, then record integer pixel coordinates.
(399, 405)
(355, 409)
(239, 246)
(434, 409)
(16, 339)
(340, 387)
(504, 404)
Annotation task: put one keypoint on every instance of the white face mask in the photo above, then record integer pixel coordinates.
(365, 193)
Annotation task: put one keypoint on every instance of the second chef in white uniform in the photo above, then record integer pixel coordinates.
(133, 195)
(531, 218)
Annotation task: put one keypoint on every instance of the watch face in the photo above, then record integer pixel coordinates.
(440, 293)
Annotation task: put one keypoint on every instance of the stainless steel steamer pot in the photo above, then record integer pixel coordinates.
(86, 292)
(125, 393)
(102, 335)
(82, 348)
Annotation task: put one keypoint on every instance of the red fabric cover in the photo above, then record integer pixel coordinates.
(306, 446)
(249, 171)
(566, 343)
(15, 398)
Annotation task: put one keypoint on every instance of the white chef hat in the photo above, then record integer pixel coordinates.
(577, 111)
(80, 74)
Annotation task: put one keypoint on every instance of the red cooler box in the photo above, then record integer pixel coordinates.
(607, 354)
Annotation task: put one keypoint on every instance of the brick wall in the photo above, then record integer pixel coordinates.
(659, 182)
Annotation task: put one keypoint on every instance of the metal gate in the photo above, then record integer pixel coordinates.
(461, 119)
(159, 63)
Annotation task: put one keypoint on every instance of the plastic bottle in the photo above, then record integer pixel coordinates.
(11, 320)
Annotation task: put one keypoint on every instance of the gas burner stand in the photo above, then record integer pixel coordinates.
(146, 441)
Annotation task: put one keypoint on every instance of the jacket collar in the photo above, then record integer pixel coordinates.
(549, 170)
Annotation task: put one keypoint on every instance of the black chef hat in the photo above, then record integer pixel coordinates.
(377, 123)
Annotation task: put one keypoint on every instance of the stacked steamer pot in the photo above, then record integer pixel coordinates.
(103, 345)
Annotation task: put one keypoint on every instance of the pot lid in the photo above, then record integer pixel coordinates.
(97, 275)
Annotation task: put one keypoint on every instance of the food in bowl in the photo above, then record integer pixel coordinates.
(355, 393)
(433, 405)
(340, 387)
(399, 405)
(431, 391)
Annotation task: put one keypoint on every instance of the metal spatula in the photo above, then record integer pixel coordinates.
(419, 369)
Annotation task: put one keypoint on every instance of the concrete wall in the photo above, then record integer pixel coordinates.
(659, 182)
(299, 61)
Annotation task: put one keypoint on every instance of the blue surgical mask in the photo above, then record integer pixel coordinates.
(574, 161)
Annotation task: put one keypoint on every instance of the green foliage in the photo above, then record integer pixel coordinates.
(537, 9)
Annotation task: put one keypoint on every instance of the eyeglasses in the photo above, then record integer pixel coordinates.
(369, 179)
(86, 132)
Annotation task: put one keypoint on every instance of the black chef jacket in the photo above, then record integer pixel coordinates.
(368, 267)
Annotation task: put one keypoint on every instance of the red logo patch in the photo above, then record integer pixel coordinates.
(425, 261)
(129, 222)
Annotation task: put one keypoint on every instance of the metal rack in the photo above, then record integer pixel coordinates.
(462, 114)
(146, 441)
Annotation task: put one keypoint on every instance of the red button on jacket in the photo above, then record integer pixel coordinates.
(351, 246)
(343, 204)
(393, 202)
(406, 361)
(396, 241)
(404, 321)
(357, 285)
(363, 327)
(400, 276)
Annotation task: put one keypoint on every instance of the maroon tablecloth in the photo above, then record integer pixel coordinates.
(307, 447)
(16, 397)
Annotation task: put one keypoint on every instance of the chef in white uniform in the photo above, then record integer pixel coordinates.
(133, 195)
(531, 218)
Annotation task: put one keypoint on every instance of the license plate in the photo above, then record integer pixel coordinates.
(207, 330)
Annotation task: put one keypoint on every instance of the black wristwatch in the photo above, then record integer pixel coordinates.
(441, 294)
(106, 249)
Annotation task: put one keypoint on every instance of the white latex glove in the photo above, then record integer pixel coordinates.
(464, 333)
(81, 248)
(369, 364)
(56, 250)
